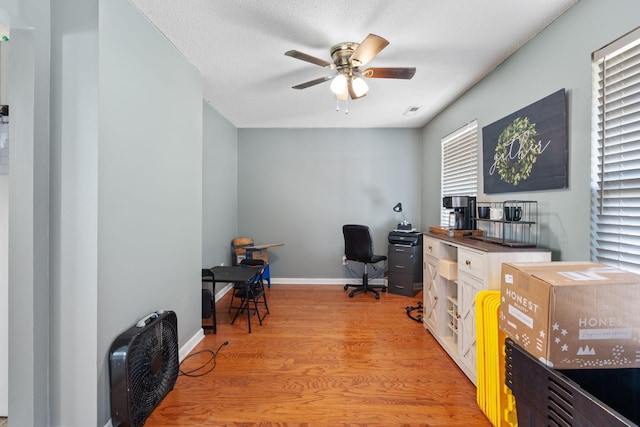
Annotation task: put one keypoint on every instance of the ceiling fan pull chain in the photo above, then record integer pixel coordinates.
(346, 106)
(337, 104)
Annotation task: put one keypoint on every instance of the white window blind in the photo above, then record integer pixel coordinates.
(459, 165)
(615, 177)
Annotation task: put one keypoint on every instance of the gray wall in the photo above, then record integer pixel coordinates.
(28, 210)
(219, 188)
(559, 57)
(122, 236)
(4, 251)
(73, 212)
(4, 295)
(299, 186)
(149, 182)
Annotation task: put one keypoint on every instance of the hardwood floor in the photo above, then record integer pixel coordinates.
(322, 359)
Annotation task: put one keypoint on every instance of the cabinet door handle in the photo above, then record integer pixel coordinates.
(399, 267)
(468, 262)
(430, 248)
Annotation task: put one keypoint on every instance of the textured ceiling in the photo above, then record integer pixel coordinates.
(239, 45)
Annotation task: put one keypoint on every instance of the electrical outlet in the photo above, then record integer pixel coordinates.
(344, 260)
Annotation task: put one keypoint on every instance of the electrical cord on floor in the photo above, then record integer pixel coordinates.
(195, 372)
(417, 318)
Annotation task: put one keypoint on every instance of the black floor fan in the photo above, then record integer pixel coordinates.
(143, 368)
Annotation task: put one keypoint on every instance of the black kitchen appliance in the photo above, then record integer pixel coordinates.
(407, 238)
(463, 213)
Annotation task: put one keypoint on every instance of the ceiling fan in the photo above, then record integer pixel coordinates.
(348, 57)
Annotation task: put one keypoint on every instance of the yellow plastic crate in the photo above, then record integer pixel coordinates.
(493, 396)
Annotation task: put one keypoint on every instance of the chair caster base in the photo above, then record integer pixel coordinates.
(366, 290)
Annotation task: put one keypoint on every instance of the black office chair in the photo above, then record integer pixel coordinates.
(358, 246)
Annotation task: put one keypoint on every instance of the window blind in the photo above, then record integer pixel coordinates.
(459, 165)
(615, 177)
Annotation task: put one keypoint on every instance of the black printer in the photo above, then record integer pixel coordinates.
(409, 238)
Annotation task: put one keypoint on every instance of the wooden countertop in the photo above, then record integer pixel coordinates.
(482, 246)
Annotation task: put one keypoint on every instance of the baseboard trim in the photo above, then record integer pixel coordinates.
(190, 344)
(222, 292)
(307, 281)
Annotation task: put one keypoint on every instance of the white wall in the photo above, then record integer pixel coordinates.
(4, 72)
(299, 186)
(559, 57)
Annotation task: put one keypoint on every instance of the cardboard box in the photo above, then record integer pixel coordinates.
(572, 315)
(262, 254)
(448, 269)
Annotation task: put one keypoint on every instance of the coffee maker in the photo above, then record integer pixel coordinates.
(464, 211)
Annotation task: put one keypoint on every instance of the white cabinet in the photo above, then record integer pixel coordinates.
(449, 300)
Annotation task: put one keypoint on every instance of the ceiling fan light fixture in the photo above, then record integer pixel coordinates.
(342, 96)
(360, 87)
(339, 85)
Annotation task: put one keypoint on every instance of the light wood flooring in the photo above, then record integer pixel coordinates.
(322, 359)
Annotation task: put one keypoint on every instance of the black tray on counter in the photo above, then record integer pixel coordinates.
(502, 242)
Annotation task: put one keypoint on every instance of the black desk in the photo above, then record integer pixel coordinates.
(236, 274)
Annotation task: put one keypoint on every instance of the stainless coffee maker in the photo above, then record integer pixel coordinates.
(464, 211)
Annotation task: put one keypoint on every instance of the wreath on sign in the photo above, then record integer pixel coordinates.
(514, 168)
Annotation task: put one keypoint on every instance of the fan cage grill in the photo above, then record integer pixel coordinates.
(153, 365)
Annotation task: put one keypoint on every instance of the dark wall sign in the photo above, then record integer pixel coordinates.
(527, 150)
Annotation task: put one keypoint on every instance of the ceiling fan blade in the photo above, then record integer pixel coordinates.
(304, 57)
(389, 73)
(311, 83)
(370, 47)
